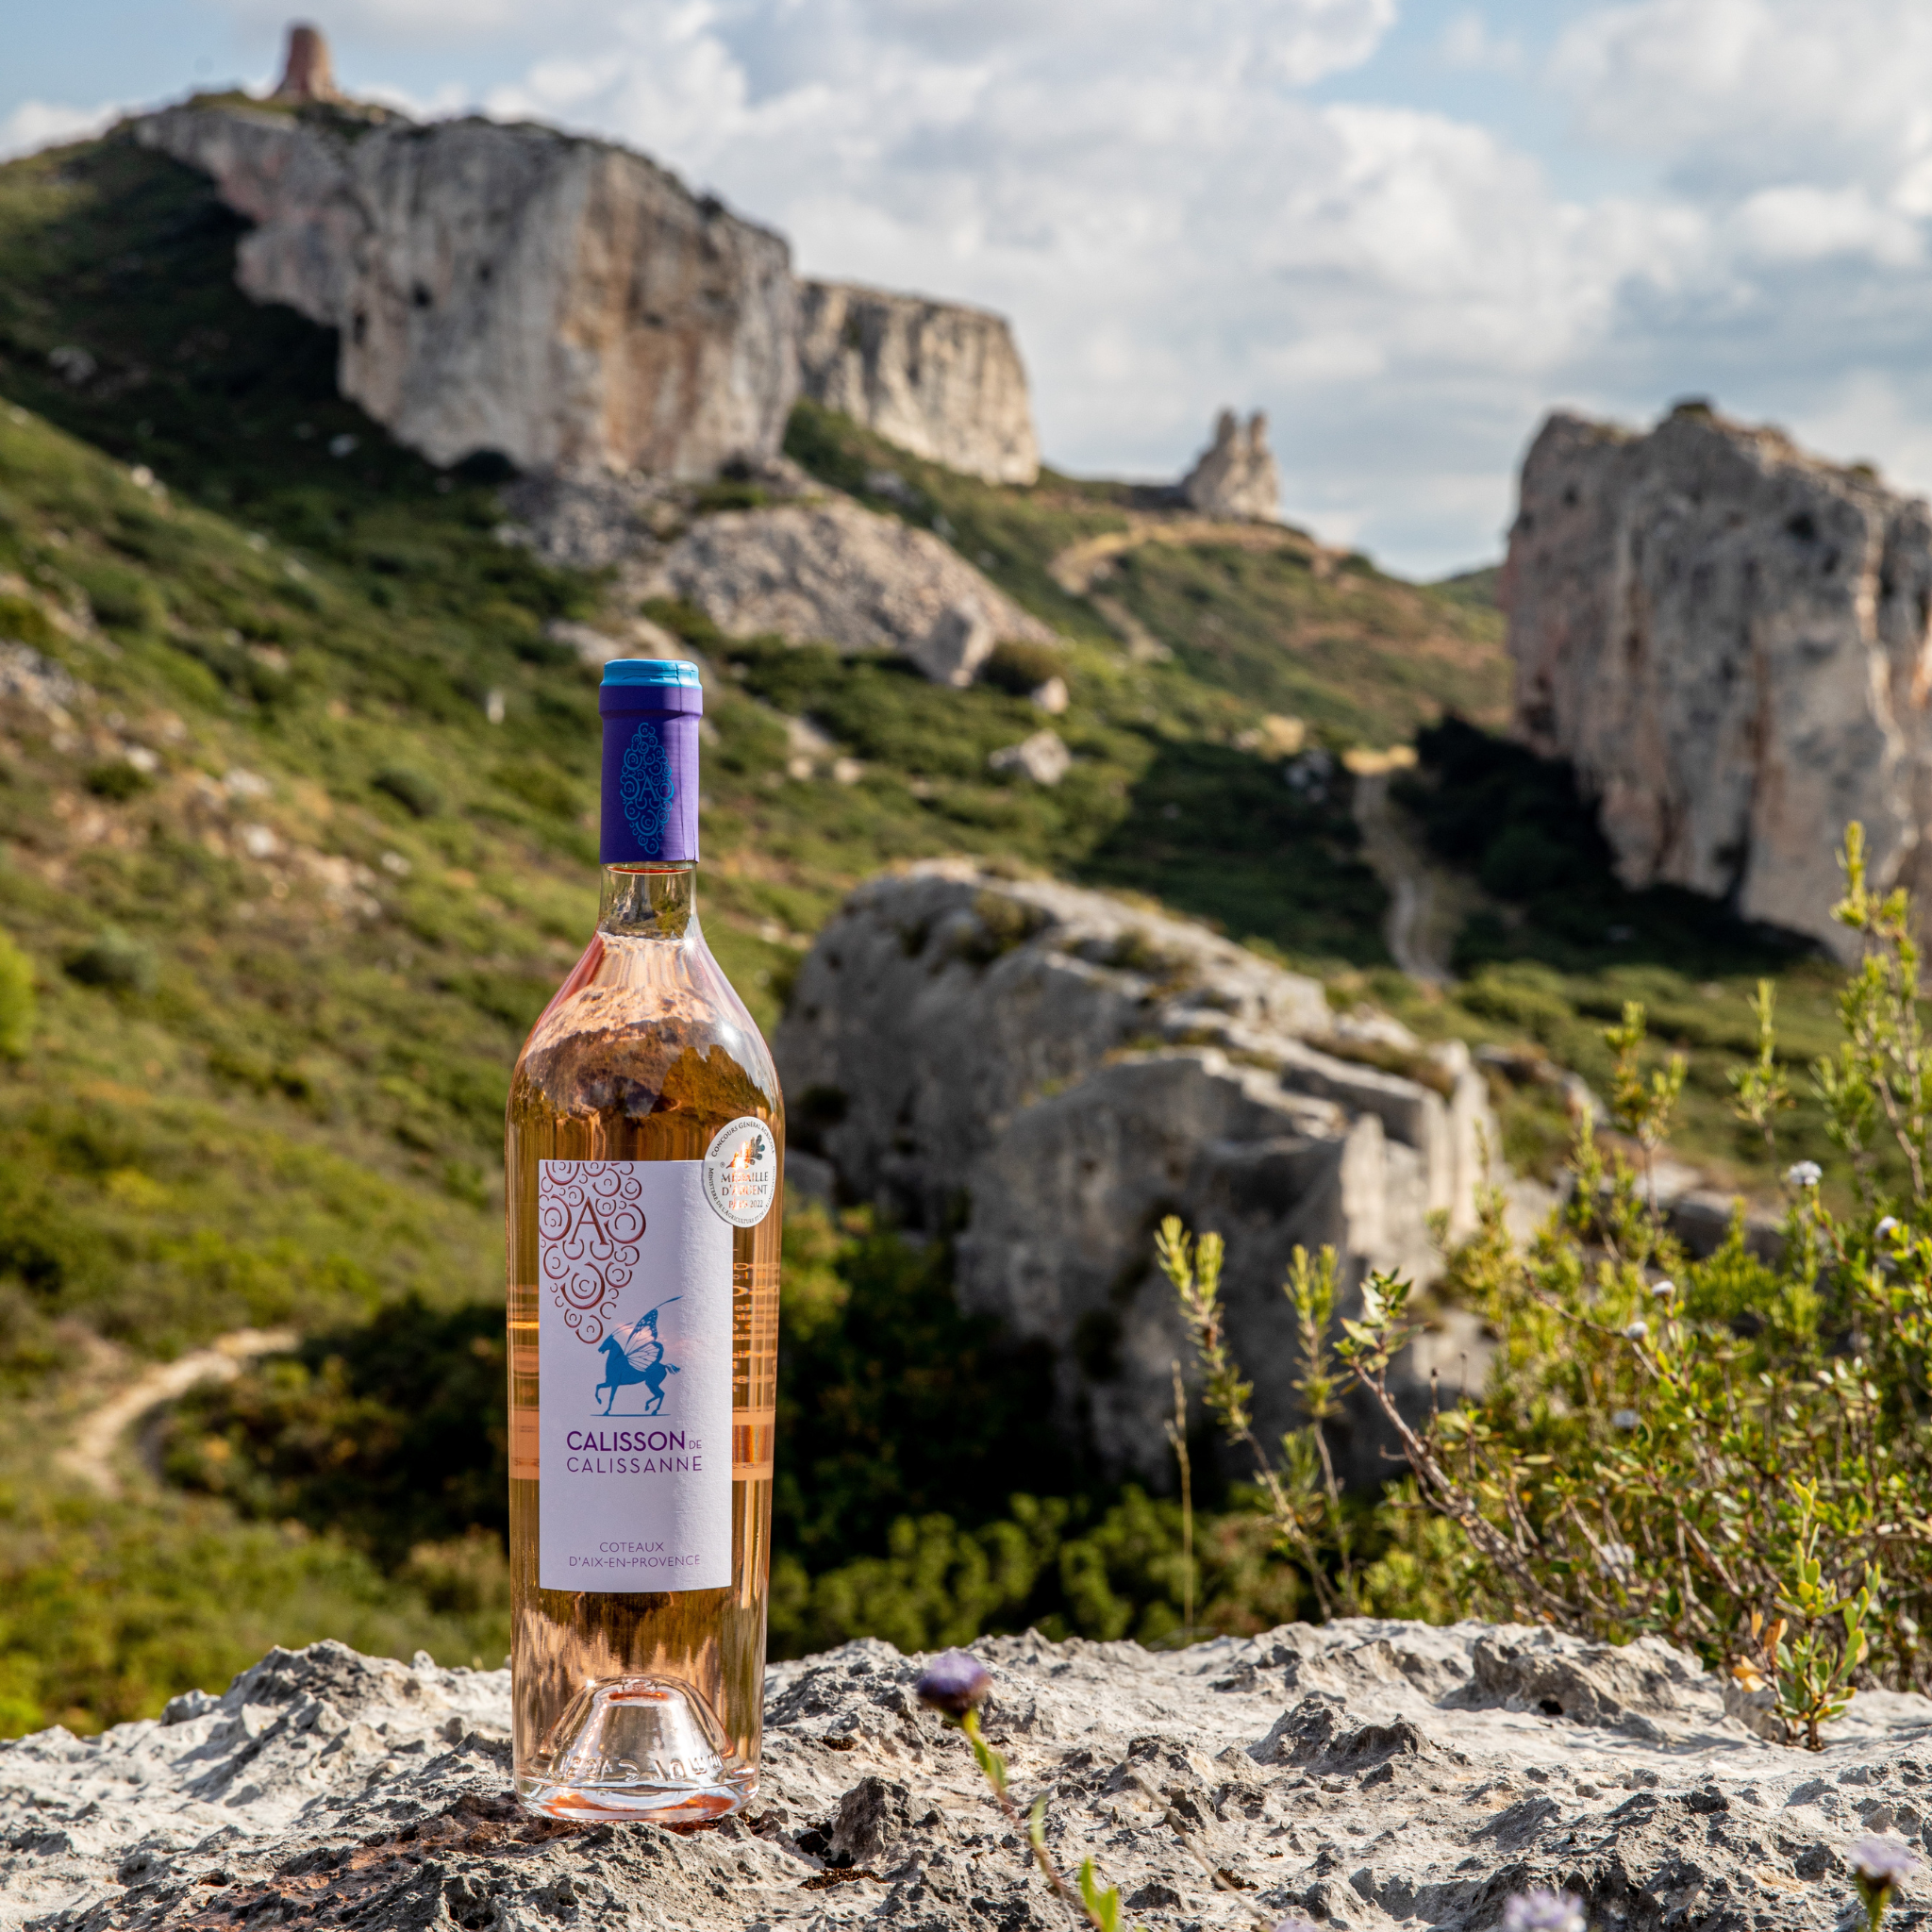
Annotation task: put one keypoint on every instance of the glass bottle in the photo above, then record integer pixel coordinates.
(643, 1145)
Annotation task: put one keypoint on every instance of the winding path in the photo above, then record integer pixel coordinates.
(90, 1453)
(1427, 903)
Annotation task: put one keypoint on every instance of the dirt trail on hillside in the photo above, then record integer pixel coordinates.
(1075, 569)
(1427, 902)
(91, 1453)
(1080, 566)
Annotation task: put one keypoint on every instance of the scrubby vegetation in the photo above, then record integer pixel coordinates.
(1732, 1455)
(297, 797)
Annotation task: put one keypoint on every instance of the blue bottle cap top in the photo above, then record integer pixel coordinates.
(650, 671)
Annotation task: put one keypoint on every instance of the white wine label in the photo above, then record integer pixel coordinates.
(634, 1390)
(742, 1171)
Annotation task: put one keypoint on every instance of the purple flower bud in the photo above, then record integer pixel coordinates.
(1544, 1912)
(954, 1682)
(1882, 1862)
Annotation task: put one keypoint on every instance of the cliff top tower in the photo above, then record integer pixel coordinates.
(307, 73)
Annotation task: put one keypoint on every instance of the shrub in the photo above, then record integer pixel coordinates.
(417, 794)
(1022, 668)
(117, 782)
(16, 1000)
(1733, 1456)
(114, 962)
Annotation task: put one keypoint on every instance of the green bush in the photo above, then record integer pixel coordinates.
(117, 782)
(416, 792)
(1022, 668)
(114, 962)
(16, 1000)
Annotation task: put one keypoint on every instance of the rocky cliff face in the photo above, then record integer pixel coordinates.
(1365, 1774)
(938, 378)
(1729, 641)
(567, 302)
(1236, 476)
(1073, 1068)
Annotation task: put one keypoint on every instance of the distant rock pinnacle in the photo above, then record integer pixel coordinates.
(1236, 476)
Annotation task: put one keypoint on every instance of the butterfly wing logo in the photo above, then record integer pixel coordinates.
(634, 1356)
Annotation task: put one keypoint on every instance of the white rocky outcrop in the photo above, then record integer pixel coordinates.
(833, 572)
(564, 302)
(1728, 638)
(1365, 1774)
(1070, 1067)
(1236, 476)
(938, 378)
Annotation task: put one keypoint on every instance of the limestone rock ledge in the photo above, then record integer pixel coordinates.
(938, 378)
(563, 302)
(1071, 1066)
(1367, 1775)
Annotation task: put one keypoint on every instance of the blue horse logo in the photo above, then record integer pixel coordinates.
(636, 1356)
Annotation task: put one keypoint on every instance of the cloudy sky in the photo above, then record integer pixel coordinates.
(1405, 228)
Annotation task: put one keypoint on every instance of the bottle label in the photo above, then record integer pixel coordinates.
(634, 1361)
(742, 1171)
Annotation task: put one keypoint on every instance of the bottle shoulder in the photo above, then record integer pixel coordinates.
(646, 1027)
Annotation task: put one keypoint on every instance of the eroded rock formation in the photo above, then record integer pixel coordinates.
(1071, 1068)
(1364, 1775)
(1236, 476)
(938, 378)
(831, 571)
(566, 303)
(1728, 638)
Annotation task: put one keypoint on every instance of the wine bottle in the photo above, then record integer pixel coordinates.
(644, 1145)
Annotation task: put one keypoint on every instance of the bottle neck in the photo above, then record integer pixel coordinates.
(649, 902)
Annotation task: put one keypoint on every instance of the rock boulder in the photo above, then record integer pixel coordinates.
(1365, 1774)
(1728, 638)
(833, 573)
(1066, 1068)
(938, 378)
(564, 302)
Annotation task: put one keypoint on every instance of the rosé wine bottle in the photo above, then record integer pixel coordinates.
(645, 1146)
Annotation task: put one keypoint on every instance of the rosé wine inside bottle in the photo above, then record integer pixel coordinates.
(644, 1145)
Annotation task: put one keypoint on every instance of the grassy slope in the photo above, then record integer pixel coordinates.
(275, 1019)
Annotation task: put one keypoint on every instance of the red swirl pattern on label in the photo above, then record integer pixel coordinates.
(590, 1223)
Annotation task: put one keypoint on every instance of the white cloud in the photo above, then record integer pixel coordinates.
(1729, 94)
(1467, 45)
(1806, 223)
(35, 125)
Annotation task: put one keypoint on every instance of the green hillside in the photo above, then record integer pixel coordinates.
(287, 900)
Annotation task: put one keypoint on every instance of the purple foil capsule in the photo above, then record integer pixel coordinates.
(651, 708)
